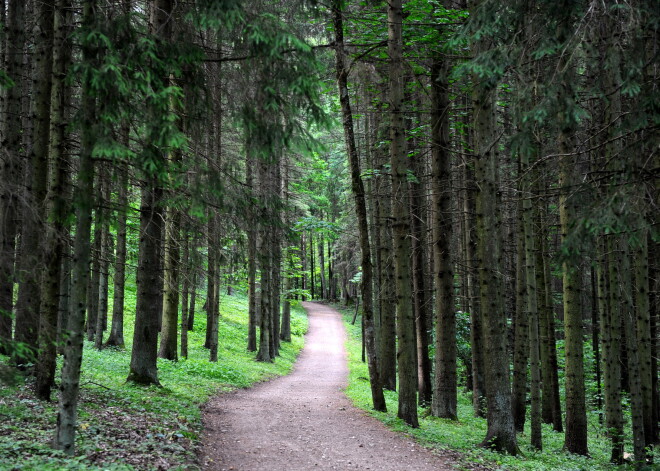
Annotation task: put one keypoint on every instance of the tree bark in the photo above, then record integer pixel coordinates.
(532, 303)
(116, 337)
(252, 256)
(406, 360)
(11, 165)
(445, 385)
(169, 328)
(148, 309)
(185, 291)
(29, 293)
(73, 350)
(103, 257)
(357, 187)
(633, 364)
(576, 414)
(56, 208)
(521, 329)
(501, 434)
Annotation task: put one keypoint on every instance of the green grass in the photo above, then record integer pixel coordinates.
(465, 435)
(122, 426)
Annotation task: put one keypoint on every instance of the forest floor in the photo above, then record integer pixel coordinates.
(304, 421)
(123, 427)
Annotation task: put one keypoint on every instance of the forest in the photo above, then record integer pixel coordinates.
(474, 181)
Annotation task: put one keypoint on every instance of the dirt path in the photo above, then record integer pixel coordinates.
(303, 421)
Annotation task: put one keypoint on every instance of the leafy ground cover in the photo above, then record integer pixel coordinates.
(127, 427)
(461, 438)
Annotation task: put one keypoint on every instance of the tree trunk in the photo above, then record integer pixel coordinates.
(56, 208)
(445, 385)
(73, 351)
(103, 258)
(252, 257)
(406, 360)
(551, 406)
(265, 256)
(387, 297)
(147, 313)
(169, 328)
(532, 302)
(93, 285)
(521, 329)
(285, 329)
(633, 365)
(576, 414)
(476, 330)
(193, 290)
(501, 434)
(11, 165)
(117, 329)
(185, 291)
(29, 295)
(212, 292)
(148, 309)
(357, 187)
(321, 254)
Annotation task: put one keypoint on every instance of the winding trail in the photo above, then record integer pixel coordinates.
(304, 421)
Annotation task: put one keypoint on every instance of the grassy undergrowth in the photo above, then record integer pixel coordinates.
(124, 427)
(465, 435)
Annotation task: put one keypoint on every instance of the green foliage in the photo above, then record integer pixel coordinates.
(127, 427)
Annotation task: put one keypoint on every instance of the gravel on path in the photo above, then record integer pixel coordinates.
(303, 421)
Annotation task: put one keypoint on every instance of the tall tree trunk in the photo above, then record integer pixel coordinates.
(421, 308)
(643, 310)
(276, 287)
(185, 291)
(252, 256)
(357, 187)
(56, 208)
(144, 368)
(265, 256)
(633, 364)
(29, 295)
(551, 406)
(116, 337)
(476, 330)
(168, 332)
(387, 297)
(287, 268)
(11, 164)
(103, 258)
(193, 289)
(521, 329)
(65, 291)
(406, 360)
(610, 341)
(445, 385)
(73, 351)
(532, 303)
(285, 329)
(321, 255)
(213, 291)
(93, 285)
(501, 433)
(576, 415)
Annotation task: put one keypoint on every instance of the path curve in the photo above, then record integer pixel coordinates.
(303, 421)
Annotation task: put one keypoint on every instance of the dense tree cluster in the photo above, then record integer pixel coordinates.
(521, 180)
(492, 204)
